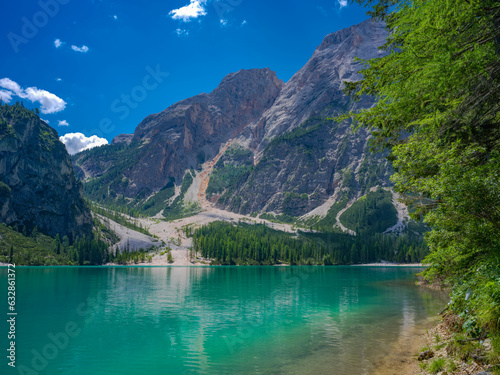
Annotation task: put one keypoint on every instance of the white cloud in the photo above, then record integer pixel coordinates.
(115, 17)
(47, 121)
(342, 3)
(76, 142)
(223, 22)
(50, 103)
(182, 33)
(58, 79)
(63, 123)
(80, 49)
(58, 43)
(195, 9)
(9, 84)
(6, 96)
(244, 23)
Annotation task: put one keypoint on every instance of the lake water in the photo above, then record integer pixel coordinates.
(211, 320)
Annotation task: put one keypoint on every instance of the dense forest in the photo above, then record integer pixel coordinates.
(37, 249)
(246, 244)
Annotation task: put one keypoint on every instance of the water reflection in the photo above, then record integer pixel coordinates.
(227, 320)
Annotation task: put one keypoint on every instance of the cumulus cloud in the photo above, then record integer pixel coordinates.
(9, 84)
(47, 121)
(115, 17)
(76, 142)
(6, 96)
(244, 22)
(58, 43)
(80, 49)
(63, 123)
(223, 22)
(195, 9)
(50, 103)
(58, 79)
(342, 3)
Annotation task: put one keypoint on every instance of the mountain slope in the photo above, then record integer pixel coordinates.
(303, 158)
(254, 145)
(183, 136)
(38, 187)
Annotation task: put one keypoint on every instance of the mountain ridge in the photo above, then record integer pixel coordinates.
(276, 150)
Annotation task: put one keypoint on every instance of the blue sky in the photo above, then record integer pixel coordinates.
(100, 67)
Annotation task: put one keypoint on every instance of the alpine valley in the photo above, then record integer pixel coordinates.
(255, 150)
(254, 146)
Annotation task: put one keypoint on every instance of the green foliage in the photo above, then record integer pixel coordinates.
(247, 244)
(28, 250)
(372, 213)
(15, 116)
(438, 93)
(5, 189)
(327, 223)
(236, 163)
(293, 203)
(157, 202)
(436, 365)
(225, 176)
(41, 250)
(283, 218)
(310, 126)
(119, 218)
(126, 256)
(180, 209)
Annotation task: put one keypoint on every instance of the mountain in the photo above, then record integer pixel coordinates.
(303, 158)
(181, 137)
(38, 187)
(254, 145)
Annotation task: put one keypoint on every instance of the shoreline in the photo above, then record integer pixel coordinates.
(402, 358)
(199, 264)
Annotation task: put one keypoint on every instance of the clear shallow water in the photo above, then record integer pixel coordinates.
(213, 320)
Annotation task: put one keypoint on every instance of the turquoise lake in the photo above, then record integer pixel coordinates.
(211, 320)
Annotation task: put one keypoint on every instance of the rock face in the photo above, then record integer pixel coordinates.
(124, 139)
(316, 89)
(285, 155)
(303, 158)
(37, 183)
(184, 135)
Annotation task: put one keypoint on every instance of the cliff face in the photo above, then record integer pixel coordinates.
(316, 88)
(37, 183)
(273, 145)
(183, 136)
(302, 158)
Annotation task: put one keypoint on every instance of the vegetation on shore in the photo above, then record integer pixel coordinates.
(247, 244)
(37, 249)
(438, 112)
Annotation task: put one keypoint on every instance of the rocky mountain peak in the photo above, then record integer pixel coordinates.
(318, 84)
